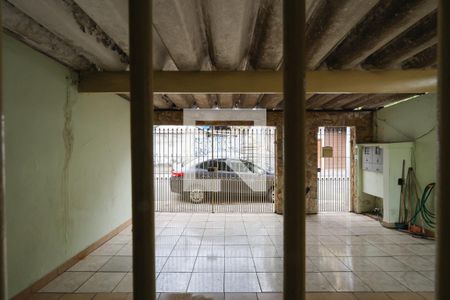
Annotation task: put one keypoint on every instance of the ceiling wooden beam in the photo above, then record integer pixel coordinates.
(267, 82)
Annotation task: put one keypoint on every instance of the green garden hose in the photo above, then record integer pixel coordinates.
(427, 215)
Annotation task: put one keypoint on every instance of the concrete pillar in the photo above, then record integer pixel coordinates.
(141, 116)
(443, 189)
(294, 149)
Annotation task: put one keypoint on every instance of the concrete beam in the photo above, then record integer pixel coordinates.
(270, 101)
(177, 23)
(329, 24)
(225, 100)
(181, 101)
(39, 38)
(203, 100)
(424, 59)
(111, 16)
(249, 100)
(339, 102)
(159, 101)
(316, 101)
(383, 100)
(398, 81)
(69, 22)
(413, 41)
(267, 47)
(384, 22)
(237, 17)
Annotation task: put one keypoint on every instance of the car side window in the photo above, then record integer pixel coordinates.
(222, 166)
(239, 167)
(203, 165)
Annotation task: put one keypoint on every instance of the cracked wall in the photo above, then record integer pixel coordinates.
(67, 164)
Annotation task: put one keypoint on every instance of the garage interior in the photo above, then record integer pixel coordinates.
(355, 146)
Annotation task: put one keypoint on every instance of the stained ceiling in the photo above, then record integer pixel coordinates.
(245, 35)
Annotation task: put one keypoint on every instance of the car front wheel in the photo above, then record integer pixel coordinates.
(196, 196)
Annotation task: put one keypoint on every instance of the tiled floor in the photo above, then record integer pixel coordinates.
(242, 253)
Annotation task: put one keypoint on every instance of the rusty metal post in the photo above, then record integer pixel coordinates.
(141, 116)
(294, 149)
(443, 189)
(3, 272)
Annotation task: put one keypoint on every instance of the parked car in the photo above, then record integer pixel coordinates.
(225, 179)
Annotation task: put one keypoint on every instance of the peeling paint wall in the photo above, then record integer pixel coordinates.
(67, 164)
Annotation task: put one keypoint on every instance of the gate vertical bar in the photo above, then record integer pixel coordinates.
(443, 205)
(294, 150)
(141, 117)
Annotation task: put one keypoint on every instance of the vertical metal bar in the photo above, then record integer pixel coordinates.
(294, 150)
(3, 272)
(141, 116)
(443, 203)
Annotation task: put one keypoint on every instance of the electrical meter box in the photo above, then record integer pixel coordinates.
(379, 168)
(372, 159)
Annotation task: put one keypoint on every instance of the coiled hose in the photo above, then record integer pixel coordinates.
(414, 209)
(427, 215)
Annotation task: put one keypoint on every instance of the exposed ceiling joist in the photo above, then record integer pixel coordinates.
(31, 32)
(318, 100)
(203, 100)
(71, 24)
(184, 38)
(329, 24)
(229, 51)
(387, 20)
(111, 16)
(424, 59)
(339, 102)
(397, 81)
(416, 39)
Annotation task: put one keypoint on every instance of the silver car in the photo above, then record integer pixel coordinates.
(223, 179)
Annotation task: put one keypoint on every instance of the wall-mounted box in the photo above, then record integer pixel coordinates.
(372, 159)
(379, 168)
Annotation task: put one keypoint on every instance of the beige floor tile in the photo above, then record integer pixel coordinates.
(67, 282)
(270, 296)
(330, 296)
(189, 296)
(372, 296)
(240, 296)
(101, 283)
(91, 263)
(45, 296)
(78, 297)
(111, 296)
(404, 296)
(125, 285)
(428, 296)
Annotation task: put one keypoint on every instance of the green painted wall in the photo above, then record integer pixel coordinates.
(67, 164)
(414, 120)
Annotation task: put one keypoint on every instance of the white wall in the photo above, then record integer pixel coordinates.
(67, 164)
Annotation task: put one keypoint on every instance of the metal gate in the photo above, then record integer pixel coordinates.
(334, 169)
(214, 168)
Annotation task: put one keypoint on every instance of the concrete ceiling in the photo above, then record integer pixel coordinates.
(207, 35)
